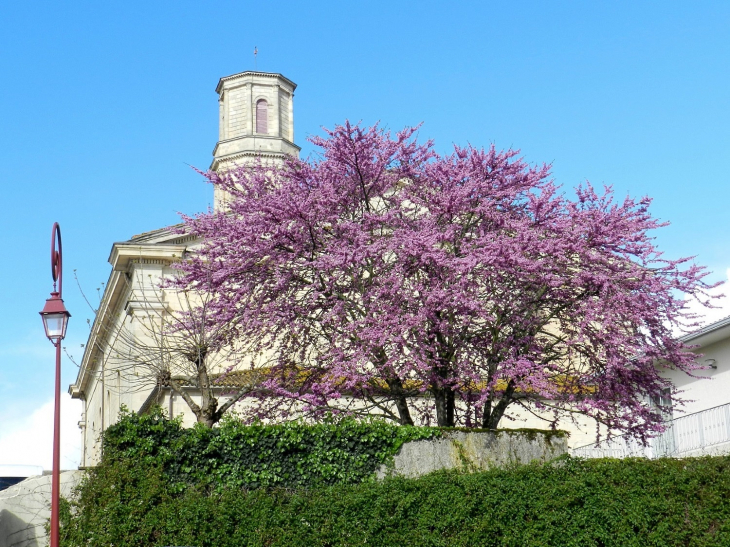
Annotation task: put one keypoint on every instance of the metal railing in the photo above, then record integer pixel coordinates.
(692, 433)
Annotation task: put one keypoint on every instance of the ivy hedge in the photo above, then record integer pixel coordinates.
(586, 503)
(234, 455)
(159, 484)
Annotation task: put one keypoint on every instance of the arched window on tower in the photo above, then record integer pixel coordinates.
(262, 117)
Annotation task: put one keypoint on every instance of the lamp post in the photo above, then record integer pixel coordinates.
(55, 319)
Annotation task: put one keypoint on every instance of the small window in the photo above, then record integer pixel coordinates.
(262, 116)
(663, 402)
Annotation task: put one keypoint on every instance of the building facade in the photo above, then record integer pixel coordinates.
(126, 357)
(701, 425)
(256, 120)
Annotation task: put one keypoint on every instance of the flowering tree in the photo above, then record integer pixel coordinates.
(385, 278)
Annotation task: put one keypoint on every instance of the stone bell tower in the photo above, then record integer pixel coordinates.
(256, 119)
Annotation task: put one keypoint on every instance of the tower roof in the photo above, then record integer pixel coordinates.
(249, 73)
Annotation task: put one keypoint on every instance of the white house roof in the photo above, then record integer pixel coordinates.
(709, 334)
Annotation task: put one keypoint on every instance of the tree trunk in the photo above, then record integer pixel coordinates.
(207, 412)
(207, 419)
(492, 416)
(209, 404)
(490, 420)
(395, 386)
(443, 393)
(399, 398)
(445, 401)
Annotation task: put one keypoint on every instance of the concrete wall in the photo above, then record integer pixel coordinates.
(713, 387)
(474, 451)
(26, 507)
(722, 449)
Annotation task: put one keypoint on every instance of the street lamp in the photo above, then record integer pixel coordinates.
(55, 320)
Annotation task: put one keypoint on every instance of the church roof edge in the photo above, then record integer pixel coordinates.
(153, 234)
(253, 73)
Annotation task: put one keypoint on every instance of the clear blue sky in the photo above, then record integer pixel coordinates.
(104, 104)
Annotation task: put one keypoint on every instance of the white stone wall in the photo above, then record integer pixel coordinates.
(117, 381)
(712, 386)
(26, 507)
(239, 123)
(285, 107)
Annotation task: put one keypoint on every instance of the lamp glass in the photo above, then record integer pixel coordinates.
(55, 324)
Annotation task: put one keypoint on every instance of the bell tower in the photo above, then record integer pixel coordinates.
(256, 119)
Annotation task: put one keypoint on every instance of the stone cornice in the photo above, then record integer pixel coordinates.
(125, 253)
(249, 74)
(233, 158)
(257, 138)
(250, 146)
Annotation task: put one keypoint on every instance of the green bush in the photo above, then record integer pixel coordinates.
(570, 503)
(159, 484)
(291, 455)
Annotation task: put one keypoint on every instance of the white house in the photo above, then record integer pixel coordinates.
(700, 426)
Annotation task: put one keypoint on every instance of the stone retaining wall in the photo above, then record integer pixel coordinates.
(475, 451)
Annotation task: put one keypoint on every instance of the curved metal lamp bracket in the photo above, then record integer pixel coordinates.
(56, 259)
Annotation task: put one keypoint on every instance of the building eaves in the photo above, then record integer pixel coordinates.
(168, 234)
(274, 75)
(113, 291)
(152, 234)
(708, 334)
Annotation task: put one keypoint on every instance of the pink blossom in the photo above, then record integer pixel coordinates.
(383, 276)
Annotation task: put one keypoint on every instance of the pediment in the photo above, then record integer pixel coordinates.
(169, 235)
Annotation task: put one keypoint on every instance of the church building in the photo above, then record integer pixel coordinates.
(256, 119)
(126, 359)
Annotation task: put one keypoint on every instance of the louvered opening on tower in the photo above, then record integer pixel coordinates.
(262, 117)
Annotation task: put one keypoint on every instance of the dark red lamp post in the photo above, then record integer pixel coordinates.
(55, 319)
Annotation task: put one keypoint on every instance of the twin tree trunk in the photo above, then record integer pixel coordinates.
(444, 397)
(492, 415)
(207, 412)
(445, 401)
